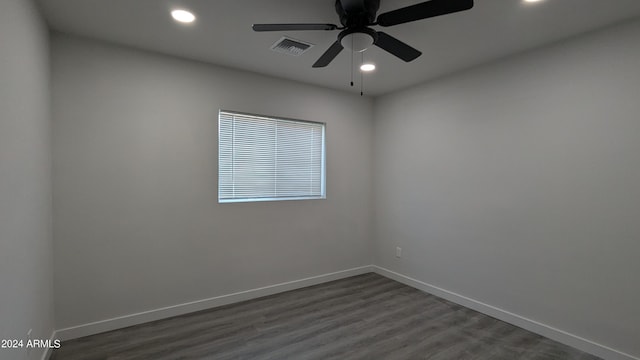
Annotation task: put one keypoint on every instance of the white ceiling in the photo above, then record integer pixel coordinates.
(222, 34)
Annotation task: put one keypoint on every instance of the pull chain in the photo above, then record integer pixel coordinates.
(361, 75)
(352, 61)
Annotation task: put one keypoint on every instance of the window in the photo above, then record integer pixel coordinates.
(262, 158)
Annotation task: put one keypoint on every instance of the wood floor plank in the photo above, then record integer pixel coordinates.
(361, 317)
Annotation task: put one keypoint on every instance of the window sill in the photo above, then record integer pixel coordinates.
(225, 201)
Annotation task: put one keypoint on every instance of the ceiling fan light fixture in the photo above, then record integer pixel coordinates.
(357, 41)
(183, 16)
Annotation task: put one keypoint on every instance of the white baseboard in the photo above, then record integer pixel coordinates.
(517, 320)
(181, 309)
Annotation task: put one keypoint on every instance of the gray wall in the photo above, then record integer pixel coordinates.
(515, 184)
(26, 264)
(137, 224)
(518, 184)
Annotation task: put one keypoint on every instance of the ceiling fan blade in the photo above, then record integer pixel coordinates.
(396, 47)
(329, 55)
(423, 11)
(293, 27)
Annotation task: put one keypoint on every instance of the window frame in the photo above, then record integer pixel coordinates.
(323, 176)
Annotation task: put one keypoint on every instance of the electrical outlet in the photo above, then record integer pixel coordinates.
(398, 252)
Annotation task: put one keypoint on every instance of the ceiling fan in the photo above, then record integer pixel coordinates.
(356, 17)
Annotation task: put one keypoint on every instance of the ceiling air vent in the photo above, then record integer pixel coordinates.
(291, 46)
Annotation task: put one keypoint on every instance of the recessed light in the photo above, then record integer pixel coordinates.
(183, 16)
(532, 1)
(367, 67)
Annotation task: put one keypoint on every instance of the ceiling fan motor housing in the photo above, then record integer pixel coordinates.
(357, 13)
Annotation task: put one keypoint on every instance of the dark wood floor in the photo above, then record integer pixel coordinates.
(362, 317)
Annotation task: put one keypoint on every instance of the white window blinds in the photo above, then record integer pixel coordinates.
(262, 158)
